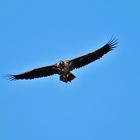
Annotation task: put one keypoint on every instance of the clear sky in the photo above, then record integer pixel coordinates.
(102, 103)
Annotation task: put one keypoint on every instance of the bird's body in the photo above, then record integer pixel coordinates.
(64, 68)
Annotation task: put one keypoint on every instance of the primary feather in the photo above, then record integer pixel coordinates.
(90, 57)
(36, 73)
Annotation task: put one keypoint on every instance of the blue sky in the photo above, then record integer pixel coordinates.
(102, 103)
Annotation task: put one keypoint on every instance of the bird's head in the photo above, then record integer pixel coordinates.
(61, 64)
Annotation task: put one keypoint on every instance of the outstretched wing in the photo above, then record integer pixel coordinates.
(90, 57)
(36, 73)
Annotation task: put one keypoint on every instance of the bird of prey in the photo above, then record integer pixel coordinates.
(64, 68)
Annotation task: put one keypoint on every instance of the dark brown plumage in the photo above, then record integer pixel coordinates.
(90, 57)
(36, 73)
(64, 68)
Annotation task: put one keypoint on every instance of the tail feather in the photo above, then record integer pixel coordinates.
(67, 77)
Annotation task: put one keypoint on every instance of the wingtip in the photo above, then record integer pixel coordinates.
(11, 77)
(8, 77)
(113, 42)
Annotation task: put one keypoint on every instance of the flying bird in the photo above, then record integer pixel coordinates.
(64, 68)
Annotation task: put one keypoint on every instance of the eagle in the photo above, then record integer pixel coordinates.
(64, 68)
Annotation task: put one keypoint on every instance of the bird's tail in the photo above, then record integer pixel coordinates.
(67, 77)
